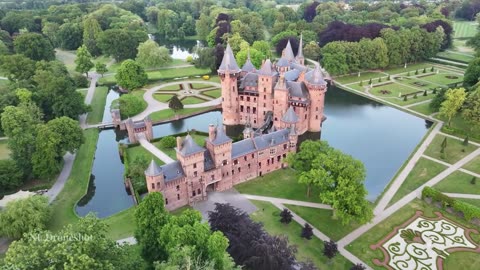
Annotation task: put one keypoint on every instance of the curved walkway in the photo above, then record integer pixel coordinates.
(286, 201)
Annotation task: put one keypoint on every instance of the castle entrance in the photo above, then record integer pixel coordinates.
(211, 187)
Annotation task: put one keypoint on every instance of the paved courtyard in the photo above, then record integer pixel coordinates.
(230, 196)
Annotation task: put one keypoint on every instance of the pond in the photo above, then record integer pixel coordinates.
(380, 136)
(179, 49)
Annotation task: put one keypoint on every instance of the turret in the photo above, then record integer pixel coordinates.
(266, 81)
(219, 145)
(317, 87)
(300, 59)
(248, 66)
(289, 52)
(281, 101)
(229, 73)
(154, 177)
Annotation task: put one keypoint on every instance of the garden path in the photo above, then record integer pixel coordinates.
(286, 201)
(464, 196)
(448, 165)
(154, 150)
(418, 103)
(449, 62)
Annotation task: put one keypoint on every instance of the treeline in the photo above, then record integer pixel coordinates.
(393, 47)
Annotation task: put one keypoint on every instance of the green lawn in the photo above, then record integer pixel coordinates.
(322, 220)
(456, 56)
(394, 89)
(107, 79)
(192, 100)
(423, 109)
(122, 224)
(306, 249)
(200, 85)
(464, 29)
(281, 184)
(98, 105)
(4, 151)
(364, 76)
(454, 151)
(213, 93)
(66, 57)
(176, 73)
(458, 182)
(162, 97)
(170, 114)
(475, 202)
(174, 87)
(63, 211)
(410, 99)
(459, 127)
(361, 246)
(140, 152)
(441, 78)
(473, 165)
(423, 171)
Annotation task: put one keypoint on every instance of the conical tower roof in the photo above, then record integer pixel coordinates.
(266, 68)
(153, 169)
(189, 146)
(316, 76)
(228, 62)
(300, 47)
(289, 52)
(248, 66)
(290, 117)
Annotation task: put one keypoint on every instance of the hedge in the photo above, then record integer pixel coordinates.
(469, 211)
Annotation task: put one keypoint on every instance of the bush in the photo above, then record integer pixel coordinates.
(415, 96)
(404, 98)
(10, 175)
(473, 181)
(416, 72)
(424, 70)
(436, 195)
(168, 142)
(380, 79)
(189, 59)
(388, 78)
(80, 81)
(361, 83)
(469, 211)
(408, 73)
(370, 81)
(131, 105)
(465, 141)
(425, 93)
(432, 69)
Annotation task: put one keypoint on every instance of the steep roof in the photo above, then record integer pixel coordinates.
(208, 161)
(274, 138)
(289, 52)
(300, 47)
(315, 76)
(153, 169)
(189, 146)
(228, 61)
(172, 171)
(248, 66)
(297, 89)
(267, 68)
(251, 79)
(290, 117)
(292, 75)
(283, 62)
(242, 147)
(220, 136)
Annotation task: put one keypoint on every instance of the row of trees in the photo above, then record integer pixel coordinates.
(392, 48)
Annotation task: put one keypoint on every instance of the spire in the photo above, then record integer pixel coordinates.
(153, 169)
(300, 47)
(289, 52)
(266, 68)
(228, 62)
(248, 66)
(316, 76)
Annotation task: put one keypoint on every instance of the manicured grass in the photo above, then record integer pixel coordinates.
(176, 73)
(322, 219)
(441, 78)
(280, 184)
(423, 171)
(122, 224)
(458, 182)
(213, 93)
(170, 114)
(174, 87)
(464, 29)
(395, 90)
(473, 165)
(454, 151)
(423, 108)
(162, 97)
(410, 67)
(63, 211)
(364, 76)
(107, 79)
(192, 100)
(455, 56)
(98, 105)
(4, 151)
(459, 127)
(475, 202)
(462, 260)
(140, 152)
(361, 246)
(200, 85)
(306, 249)
(199, 139)
(66, 57)
(410, 99)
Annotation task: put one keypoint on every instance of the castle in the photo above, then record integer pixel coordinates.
(276, 104)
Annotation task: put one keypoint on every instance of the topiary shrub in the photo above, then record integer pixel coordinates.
(370, 81)
(168, 142)
(432, 69)
(473, 181)
(415, 96)
(425, 93)
(408, 73)
(416, 72)
(361, 83)
(405, 98)
(189, 59)
(424, 70)
(465, 141)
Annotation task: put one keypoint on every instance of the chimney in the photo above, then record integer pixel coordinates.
(211, 132)
(179, 143)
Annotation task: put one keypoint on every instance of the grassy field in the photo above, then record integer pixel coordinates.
(192, 100)
(162, 97)
(423, 108)
(76, 186)
(361, 246)
(441, 78)
(163, 74)
(98, 105)
(473, 165)
(394, 89)
(455, 56)
(454, 151)
(364, 76)
(170, 114)
(174, 87)
(423, 171)
(213, 93)
(121, 225)
(66, 57)
(464, 29)
(280, 184)
(140, 152)
(322, 220)
(458, 182)
(475, 202)
(4, 151)
(306, 249)
(200, 85)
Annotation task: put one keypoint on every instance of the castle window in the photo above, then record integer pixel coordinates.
(245, 158)
(241, 108)
(166, 201)
(316, 117)
(248, 98)
(278, 158)
(224, 162)
(264, 89)
(233, 172)
(276, 119)
(158, 185)
(254, 121)
(248, 109)
(259, 164)
(199, 191)
(194, 193)
(292, 144)
(264, 96)
(264, 105)
(268, 162)
(248, 165)
(305, 116)
(238, 169)
(195, 174)
(277, 101)
(264, 112)
(284, 146)
(178, 188)
(254, 110)
(241, 98)
(194, 165)
(254, 99)
(235, 162)
(253, 155)
(273, 151)
(316, 109)
(213, 177)
(178, 196)
(284, 155)
(153, 185)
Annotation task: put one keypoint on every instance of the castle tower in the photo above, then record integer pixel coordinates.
(300, 59)
(148, 128)
(191, 156)
(266, 81)
(293, 139)
(130, 130)
(289, 52)
(219, 146)
(154, 177)
(229, 73)
(281, 102)
(290, 118)
(248, 66)
(316, 87)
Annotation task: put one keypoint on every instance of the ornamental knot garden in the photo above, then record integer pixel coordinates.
(423, 243)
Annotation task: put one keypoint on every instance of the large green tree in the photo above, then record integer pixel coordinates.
(17, 67)
(10, 175)
(24, 216)
(83, 60)
(454, 99)
(91, 33)
(150, 54)
(334, 58)
(472, 74)
(338, 176)
(70, 36)
(131, 105)
(255, 56)
(471, 110)
(34, 46)
(92, 248)
(126, 43)
(130, 75)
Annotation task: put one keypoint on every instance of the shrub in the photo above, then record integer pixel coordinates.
(465, 141)
(131, 105)
(168, 142)
(380, 79)
(408, 73)
(370, 81)
(80, 81)
(286, 216)
(415, 96)
(416, 72)
(436, 195)
(388, 78)
(432, 69)
(473, 181)
(404, 98)
(424, 70)
(189, 59)
(361, 83)
(307, 232)
(425, 93)
(469, 211)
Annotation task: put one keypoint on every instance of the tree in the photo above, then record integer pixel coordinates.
(151, 55)
(93, 249)
(131, 105)
(438, 99)
(91, 33)
(130, 75)
(307, 232)
(83, 60)
(203, 26)
(24, 216)
(473, 181)
(263, 47)
(472, 73)
(17, 67)
(70, 36)
(101, 68)
(330, 249)
(205, 59)
(34, 46)
(10, 175)
(308, 265)
(50, 30)
(168, 142)
(358, 266)
(471, 110)
(312, 50)
(454, 99)
(286, 216)
(255, 56)
(126, 49)
(334, 58)
(175, 104)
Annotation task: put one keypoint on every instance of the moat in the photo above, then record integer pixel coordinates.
(380, 136)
